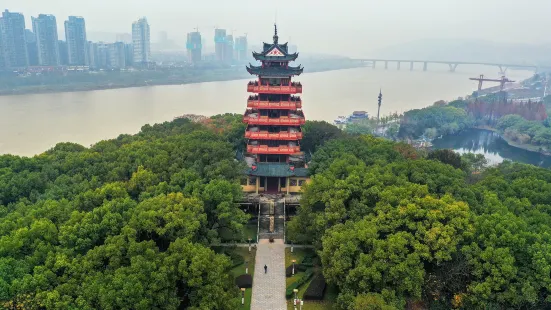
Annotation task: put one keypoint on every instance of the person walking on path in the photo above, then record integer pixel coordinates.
(265, 269)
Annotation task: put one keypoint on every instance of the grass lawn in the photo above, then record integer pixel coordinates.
(249, 231)
(240, 269)
(312, 305)
(330, 292)
(298, 255)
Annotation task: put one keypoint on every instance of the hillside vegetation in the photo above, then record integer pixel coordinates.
(125, 224)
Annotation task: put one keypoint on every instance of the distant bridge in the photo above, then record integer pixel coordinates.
(452, 64)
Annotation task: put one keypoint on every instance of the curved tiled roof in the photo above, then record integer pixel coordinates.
(275, 71)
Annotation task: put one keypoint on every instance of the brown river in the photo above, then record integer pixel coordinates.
(31, 124)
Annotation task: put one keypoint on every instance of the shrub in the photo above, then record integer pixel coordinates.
(316, 289)
(289, 270)
(244, 281)
(308, 261)
(302, 267)
(307, 275)
(236, 259)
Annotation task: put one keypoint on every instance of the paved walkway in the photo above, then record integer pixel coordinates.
(269, 289)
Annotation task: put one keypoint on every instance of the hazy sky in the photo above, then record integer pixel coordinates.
(346, 27)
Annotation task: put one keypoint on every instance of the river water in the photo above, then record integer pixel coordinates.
(31, 124)
(492, 146)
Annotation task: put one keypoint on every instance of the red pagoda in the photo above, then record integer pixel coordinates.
(274, 117)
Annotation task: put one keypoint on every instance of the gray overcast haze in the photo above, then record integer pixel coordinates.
(345, 27)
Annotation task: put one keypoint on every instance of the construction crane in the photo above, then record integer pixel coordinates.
(501, 81)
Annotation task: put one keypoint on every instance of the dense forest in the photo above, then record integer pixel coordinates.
(440, 119)
(125, 224)
(128, 223)
(395, 229)
(522, 131)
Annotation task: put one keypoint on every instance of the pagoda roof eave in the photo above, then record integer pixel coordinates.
(275, 72)
(277, 170)
(268, 46)
(263, 57)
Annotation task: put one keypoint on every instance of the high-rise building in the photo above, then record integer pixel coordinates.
(194, 47)
(102, 55)
(2, 49)
(220, 44)
(13, 40)
(141, 41)
(241, 48)
(92, 54)
(129, 52)
(63, 52)
(75, 34)
(32, 48)
(117, 55)
(228, 49)
(45, 30)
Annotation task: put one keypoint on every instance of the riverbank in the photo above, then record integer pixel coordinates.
(105, 80)
(492, 145)
(526, 147)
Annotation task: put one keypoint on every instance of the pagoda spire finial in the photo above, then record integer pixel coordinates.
(276, 38)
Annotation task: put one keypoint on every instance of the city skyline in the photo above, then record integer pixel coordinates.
(355, 27)
(43, 46)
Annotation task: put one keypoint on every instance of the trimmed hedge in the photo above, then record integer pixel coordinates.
(316, 289)
(289, 291)
(244, 281)
(308, 261)
(236, 259)
(302, 267)
(289, 270)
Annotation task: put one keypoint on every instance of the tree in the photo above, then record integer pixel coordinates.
(316, 133)
(371, 301)
(123, 224)
(393, 248)
(448, 157)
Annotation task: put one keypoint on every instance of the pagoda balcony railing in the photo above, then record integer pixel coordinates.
(283, 121)
(267, 89)
(281, 105)
(264, 135)
(264, 149)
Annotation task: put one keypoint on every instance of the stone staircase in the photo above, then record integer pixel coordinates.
(271, 219)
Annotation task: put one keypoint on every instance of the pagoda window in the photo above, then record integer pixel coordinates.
(252, 180)
(274, 114)
(293, 182)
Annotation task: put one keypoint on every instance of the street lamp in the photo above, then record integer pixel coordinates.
(295, 301)
(294, 260)
(242, 296)
(292, 246)
(246, 267)
(301, 304)
(249, 244)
